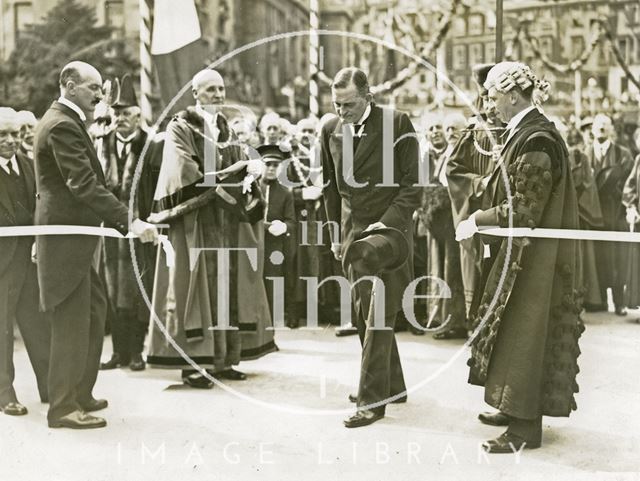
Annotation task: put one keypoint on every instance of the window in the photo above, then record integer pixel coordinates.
(23, 16)
(459, 27)
(476, 24)
(623, 44)
(546, 46)
(577, 46)
(490, 51)
(476, 53)
(459, 57)
(114, 14)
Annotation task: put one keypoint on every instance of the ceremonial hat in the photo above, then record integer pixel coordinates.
(272, 154)
(480, 72)
(377, 251)
(125, 94)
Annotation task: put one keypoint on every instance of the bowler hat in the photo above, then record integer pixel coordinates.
(377, 251)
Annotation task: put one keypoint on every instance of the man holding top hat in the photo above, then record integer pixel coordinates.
(375, 215)
(120, 152)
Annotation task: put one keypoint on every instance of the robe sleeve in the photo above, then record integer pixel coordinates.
(531, 180)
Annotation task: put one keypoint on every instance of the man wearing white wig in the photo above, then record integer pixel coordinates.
(525, 345)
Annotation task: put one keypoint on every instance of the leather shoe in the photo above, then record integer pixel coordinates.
(115, 362)
(231, 375)
(78, 420)
(137, 363)
(14, 409)
(198, 381)
(453, 333)
(494, 419)
(509, 443)
(95, 405)
(362, 417)
(621, 311)
(354, 399)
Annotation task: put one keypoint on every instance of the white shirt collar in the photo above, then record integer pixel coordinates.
(125, 140)
(365, 114)
(74, 107)
(601, 148)
(11, 163)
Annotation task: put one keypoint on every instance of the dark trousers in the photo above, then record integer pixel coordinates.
(128, 330)
(77, 330)
(19, 303)
(380, 371)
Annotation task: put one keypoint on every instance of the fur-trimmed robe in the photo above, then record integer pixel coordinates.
(526, 349)
(185, 297)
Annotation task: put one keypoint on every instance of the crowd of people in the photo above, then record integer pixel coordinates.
(262, 213)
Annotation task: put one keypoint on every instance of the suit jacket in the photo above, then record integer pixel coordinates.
(71, 190)
(355, 208)
(8, 245)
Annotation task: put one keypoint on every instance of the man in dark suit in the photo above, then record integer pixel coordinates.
(359, 199)
(18, 281)
(72, 191)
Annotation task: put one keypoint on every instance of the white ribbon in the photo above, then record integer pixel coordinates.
(36, 230)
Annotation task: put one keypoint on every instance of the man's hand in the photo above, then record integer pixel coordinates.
(467, 228)
(632, 215)
(375, 225)
(311, 193)
(34, 253)
(144, 231)
(336, 248)
(277, 228)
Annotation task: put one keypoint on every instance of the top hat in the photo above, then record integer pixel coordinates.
(124, 94)
(272, 154)
(376, 251)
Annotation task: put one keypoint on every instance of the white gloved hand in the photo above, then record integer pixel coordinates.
(336, 248)
(632, 215)
(255, 167)
(144, 231)
(311, 193)
(467, 228)
(277, 228)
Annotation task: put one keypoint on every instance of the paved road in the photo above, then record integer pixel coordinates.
(285, 422)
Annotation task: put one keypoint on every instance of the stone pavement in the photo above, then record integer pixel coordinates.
(285, 422)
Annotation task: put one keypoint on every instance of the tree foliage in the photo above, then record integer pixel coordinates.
(68, 32)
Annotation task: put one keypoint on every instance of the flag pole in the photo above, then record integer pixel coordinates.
(314, 58)
(146, 63)
(499, 28)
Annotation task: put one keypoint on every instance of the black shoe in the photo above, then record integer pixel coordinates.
(362, 417)
(78, 420)
(509, 443)
(197, 381)
(354, 399)
(137, 363)
(293, 323)
(621, 311)
(94, 405)
(415, 331)
(14, 409)
(494, 419)
(115, 362)
(231, 375)
(453, 333)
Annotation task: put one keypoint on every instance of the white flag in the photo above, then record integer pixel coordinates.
(175, 25)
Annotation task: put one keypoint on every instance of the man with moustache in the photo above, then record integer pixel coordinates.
(201, 216)
(611, 164)
(28, 124)
(18, 278)
(526, 348)
(355, 200)
(71, 190)
(120, 152)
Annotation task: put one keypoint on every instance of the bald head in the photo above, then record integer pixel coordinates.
(208, 88)
(81, 83)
